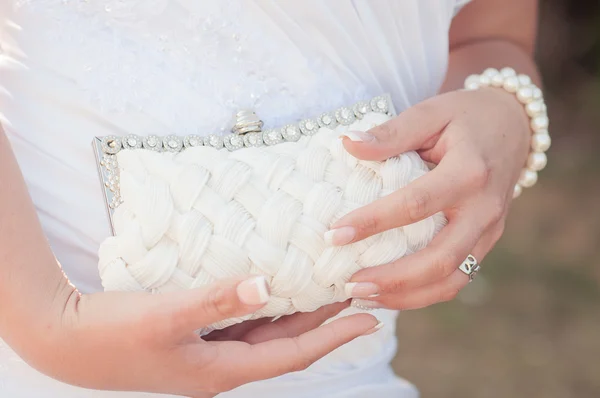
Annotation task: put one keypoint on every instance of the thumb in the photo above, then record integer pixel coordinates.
(416, 128)
(194, 309)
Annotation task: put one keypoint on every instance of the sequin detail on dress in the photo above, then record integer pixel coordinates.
(216, 60)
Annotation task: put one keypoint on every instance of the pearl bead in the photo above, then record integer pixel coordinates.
(535, 108)
(508, 72)
(518, 190)
(491, 72)
(524, 80)
(511, 84)
(539, 123)
(537, 93)
(471, 86)
(484, 81)
(525, 95)
(498, 80)
(540, 142)
(528, 178)
(537, 161)
(472, 79)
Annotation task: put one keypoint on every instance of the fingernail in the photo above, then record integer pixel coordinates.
(374, 329)
(339, 236)
(361, 289)
(366, 305)
(358, 136)
(254, 291)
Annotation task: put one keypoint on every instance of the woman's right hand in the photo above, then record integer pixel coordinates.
(142, 342)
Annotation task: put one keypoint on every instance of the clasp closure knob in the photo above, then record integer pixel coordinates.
(246, 121)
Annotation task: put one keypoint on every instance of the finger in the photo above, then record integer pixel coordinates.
(193, 309)
(436, 261)
(416, 128)
(440, 291)
(259, 330)
(276, 357)
(435, 191)
(236, 332)
(437, 292)
(294, 325)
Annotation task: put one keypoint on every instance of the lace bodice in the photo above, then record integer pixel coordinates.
(211, 55)
(74, 69)
(214, 57)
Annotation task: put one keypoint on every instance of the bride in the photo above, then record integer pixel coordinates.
(74, 69)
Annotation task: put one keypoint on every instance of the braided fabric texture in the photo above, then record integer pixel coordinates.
(193, 217)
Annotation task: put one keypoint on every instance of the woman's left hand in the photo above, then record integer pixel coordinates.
(479, 141)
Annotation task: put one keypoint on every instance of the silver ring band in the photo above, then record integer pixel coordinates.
(470, 267)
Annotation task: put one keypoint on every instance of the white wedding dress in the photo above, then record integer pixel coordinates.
(74, 69)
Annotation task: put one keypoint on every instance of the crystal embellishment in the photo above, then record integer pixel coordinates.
(233, 142)
(213, 140)
(272, 137)
(253, 140)
(236, 141)
(309, 127)
(361, 109)
(327, 120)
(191, 141)
(132, 141)
(247, 131)
(172, 143)
(109, 162)
(291, 133)
(152, 142)
(379, 104)
(345, 116)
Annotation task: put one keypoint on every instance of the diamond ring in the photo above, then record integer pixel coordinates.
(470, 267)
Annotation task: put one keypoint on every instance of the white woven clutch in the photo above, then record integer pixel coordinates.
(186, 211)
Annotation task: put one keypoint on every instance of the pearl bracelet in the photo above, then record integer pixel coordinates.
(532, 98)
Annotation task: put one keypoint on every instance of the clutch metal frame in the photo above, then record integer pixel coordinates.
(108, 170)
(104, 175)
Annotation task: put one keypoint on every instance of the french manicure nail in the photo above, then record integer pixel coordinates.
(358, 136)
(374, 329)
(339, 236)
(366, 305)
(254, 291)
(361, 289)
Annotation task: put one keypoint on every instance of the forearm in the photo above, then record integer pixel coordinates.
(492, 34)
(32, 284)
(475, 57)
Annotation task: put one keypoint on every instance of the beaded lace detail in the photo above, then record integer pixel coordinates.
(219, 58)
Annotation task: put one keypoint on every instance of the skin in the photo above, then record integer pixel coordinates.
(57, 330)
(479, 141)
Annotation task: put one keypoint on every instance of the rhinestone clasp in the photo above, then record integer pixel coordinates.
(246, 121)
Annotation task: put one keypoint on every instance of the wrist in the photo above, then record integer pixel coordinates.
(531, 100)
(509, 105)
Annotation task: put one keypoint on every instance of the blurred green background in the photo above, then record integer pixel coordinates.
(530, 325)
